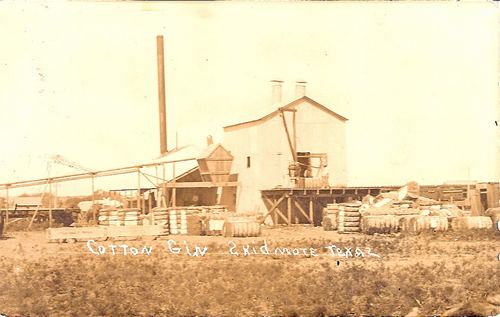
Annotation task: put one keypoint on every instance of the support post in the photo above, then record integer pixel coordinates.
(50, 204)
(164, 192)
(289, 210)
(94, 216)
(6, 207)
(294, 132)
(138, 196)
(275, 218)
(174, 191)
(38, 206)
(150, 203)
(311, 211)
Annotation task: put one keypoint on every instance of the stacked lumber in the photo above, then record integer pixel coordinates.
(349, 217)
(76, 233)
(137, 231)
(330, 214)
(241, 227)
(472, 222)
(73, 234)
(379, 224)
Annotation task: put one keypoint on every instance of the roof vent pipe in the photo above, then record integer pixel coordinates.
(276, 85)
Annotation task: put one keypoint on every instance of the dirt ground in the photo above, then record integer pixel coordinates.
(424, 247)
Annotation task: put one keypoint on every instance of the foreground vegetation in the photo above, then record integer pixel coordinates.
(414, 272)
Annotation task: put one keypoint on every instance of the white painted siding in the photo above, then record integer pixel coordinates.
(267, 145)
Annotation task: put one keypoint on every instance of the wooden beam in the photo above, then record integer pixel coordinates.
(38, 206)
(72, 177)
(289, 209)
(138, 196)
(174, 191)
(50, 204)
(146, 176)
(273, 207)
(164, 191)
(311, 210)
(492, 195)
(294, 122)
(6, 207)
(302, 210)
(292, 149)
(278, 211)
(201, 184)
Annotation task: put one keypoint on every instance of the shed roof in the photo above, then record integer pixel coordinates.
(289, 105)
(129, 181)
(28, 200)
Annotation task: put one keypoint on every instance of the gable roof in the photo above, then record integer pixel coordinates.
(210, 150)
(288, 106)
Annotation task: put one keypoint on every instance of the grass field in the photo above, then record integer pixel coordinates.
(429, 271)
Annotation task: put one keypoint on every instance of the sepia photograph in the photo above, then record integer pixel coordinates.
(304, 158)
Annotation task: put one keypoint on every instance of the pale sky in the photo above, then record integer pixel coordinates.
(418, 81)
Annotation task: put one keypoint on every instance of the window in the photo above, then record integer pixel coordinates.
(248, 161)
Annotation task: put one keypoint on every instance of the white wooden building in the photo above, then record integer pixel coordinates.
(262, 148)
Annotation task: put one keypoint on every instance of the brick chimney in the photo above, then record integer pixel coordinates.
(276, 85)
(300, 89)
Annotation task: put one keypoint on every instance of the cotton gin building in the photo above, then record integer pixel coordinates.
(301, 144)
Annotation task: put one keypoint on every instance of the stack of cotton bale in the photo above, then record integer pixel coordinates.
(471, 222)
(429, 217)
(349, 218)
(184, 221)
(417, 224)
(129, 217)
(330, 214)
(213, 224)
(379, 224)
(494, 214)
(109, 217)
(119, 217)
(241, 225)
(157, 216)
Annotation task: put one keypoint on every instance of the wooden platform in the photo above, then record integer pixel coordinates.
(305, 205)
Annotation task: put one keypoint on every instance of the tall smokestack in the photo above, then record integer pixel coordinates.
(300, 89)
(276, 85)
(161, 94)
